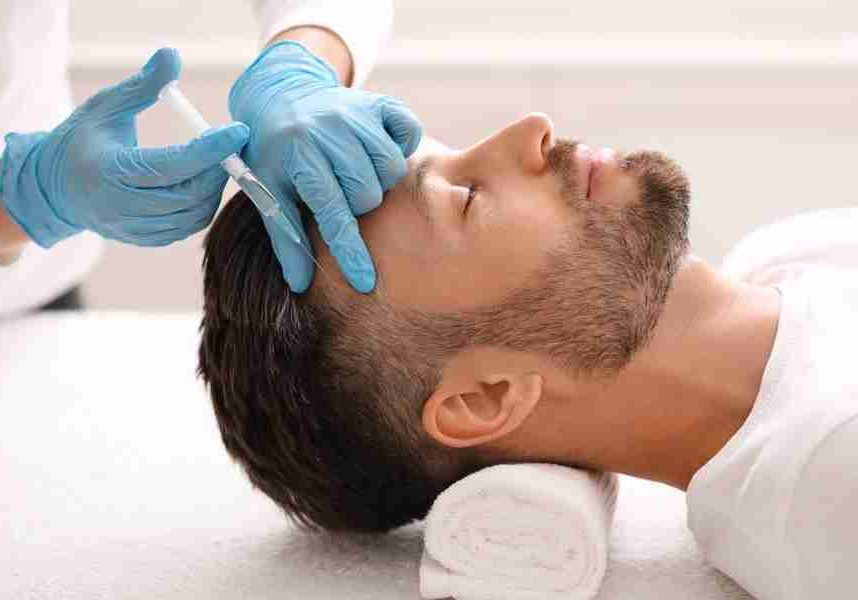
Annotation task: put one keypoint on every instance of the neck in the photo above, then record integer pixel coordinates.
(682, 396)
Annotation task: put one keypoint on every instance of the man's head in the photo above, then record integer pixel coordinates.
(499, 267)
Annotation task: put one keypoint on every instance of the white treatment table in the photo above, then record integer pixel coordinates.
(114, 484)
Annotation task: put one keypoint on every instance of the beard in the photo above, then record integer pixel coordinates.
(608, 280)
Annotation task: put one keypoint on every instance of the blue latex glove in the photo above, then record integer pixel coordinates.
(333, 147)
(88, 173)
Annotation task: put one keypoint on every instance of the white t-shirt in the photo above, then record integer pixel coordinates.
(776, 508)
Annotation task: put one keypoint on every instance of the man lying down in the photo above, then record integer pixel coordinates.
(537, 301)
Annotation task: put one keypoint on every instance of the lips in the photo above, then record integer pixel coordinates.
(591, 165)
(594, 170)
(584, 166)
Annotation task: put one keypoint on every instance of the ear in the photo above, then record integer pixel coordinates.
(491, 409)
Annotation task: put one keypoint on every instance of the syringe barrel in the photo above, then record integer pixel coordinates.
(175, 99)
(236, 167)
(179, 103)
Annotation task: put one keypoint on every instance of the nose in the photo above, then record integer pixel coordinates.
(533, 137)
(525, 143)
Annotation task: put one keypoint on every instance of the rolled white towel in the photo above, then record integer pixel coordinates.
(523, 531)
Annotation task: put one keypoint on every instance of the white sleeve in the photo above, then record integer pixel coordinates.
(364, 25)
(823, 518)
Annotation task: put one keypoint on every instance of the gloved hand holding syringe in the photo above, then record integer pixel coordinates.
(264, 200)
(316, 142)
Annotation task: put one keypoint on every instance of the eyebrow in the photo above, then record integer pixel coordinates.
(418, 190)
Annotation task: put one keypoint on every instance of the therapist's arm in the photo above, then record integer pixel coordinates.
(361, 26)
(12, 237)
(325, 44)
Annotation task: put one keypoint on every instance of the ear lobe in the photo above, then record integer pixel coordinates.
(498, 406)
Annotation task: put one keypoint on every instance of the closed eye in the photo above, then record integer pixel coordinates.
(472, 193)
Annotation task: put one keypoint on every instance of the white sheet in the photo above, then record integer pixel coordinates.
(114, 484)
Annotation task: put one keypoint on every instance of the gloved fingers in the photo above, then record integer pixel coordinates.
(163, 229)
(198, 195)
(139, 91)
(147, 231)
(160, 167)
(339, 229)
(401, 124)
(297, 266)
(202, 193)
(386, 157)
(353, 169)
(200, 217)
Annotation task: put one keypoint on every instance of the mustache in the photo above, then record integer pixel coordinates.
(562, 163)
(561, 156)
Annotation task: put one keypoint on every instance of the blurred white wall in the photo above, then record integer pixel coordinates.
(758, 99)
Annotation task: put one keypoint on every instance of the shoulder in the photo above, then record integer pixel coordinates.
(822, 525)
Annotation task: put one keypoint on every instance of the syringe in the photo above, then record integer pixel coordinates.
(237, 168)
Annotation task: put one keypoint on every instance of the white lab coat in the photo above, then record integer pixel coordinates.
(35, 95)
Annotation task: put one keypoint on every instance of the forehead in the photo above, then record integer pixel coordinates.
(394, 232)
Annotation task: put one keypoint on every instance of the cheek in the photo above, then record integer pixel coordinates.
(531, 223)
(512, 239)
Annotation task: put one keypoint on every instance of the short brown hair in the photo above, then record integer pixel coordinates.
(318, 400)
